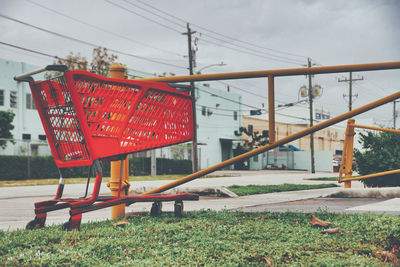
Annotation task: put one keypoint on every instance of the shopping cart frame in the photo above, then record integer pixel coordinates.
(78, 206)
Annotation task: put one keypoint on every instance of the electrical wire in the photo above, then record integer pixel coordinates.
(252, 51)
(31, 50)
(144, 17)
(237, 102)
(223, 35)
(257, 54)
(101, 29)
(227, 99)
(87, 43)
(218, 39)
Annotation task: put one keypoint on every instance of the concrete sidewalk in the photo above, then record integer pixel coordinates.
(252, 177)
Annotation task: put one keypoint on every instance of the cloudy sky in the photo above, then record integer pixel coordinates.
(245, 35)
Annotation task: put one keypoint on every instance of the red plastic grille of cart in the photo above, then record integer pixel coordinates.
(88, 117)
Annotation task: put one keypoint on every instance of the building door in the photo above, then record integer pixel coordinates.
(226, 148)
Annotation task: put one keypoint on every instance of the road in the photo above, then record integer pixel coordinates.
(16, 203)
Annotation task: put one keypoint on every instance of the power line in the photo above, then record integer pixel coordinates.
(30, 50)
(257, 53)
(246, 52)
(243, 90)
(87, 43)
(144, 17)
(240, 103)
(227, 99)
(155, 14)
(223, 35)
(267, 55)
(219, 39)
(101, 29)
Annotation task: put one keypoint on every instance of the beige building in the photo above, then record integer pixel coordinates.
(328, 139)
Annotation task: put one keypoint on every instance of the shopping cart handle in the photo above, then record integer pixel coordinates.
(178, 86)
(27, 76)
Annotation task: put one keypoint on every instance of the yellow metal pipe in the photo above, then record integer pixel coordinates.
(371, 175)
(278, 72)
(271, 109)
(348, 167)
(377, 128)
(118, 72)
(282, 141)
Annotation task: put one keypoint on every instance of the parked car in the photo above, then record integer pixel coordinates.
(336, 161)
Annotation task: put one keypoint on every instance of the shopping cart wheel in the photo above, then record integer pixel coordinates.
(178, 208)
(156, 209)
(73, 223)
(66, 226)
(38, 222)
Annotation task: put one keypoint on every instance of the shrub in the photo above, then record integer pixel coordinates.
(26, 167)
(381, 153)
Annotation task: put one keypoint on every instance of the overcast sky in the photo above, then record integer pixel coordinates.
(245, 35)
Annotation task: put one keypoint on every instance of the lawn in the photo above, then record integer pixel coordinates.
(243, 190)
(208, 238)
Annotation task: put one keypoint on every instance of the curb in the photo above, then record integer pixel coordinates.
(219, 191)
(386, 192)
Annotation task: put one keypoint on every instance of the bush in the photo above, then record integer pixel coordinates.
(26, 167)
(381, 153)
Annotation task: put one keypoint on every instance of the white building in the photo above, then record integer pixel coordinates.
(218, 116)
(16, 96)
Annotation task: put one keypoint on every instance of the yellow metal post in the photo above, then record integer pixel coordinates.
(271, 109)
(348, 167)
(118, 71)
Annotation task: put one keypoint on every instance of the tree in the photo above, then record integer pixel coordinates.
(381, 152)
(101, 62)
(6, 126)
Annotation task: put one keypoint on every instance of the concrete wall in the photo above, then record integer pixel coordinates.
(294, 160)
(323, 160)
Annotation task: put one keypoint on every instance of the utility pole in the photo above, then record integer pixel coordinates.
(195, 160)
(351, 80)
(310, 98)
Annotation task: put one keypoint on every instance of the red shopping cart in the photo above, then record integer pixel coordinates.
(89, 119)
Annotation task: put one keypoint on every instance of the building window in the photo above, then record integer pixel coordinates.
(1, 97)
(13, 99)
(42, 137)
(30, 104)
(26, 136)
(255, 158)
(235, 115)
(203, 111)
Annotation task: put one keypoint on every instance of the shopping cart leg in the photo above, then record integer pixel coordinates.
(156, 209)
(78, 207)
(178, 208)
(73, 223)
(38, 222)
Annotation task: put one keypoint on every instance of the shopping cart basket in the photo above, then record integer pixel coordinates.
(89, 118)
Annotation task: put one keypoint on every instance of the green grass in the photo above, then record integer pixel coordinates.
(207, 238)
(243, 190)
(323, 179)
(52, 181)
